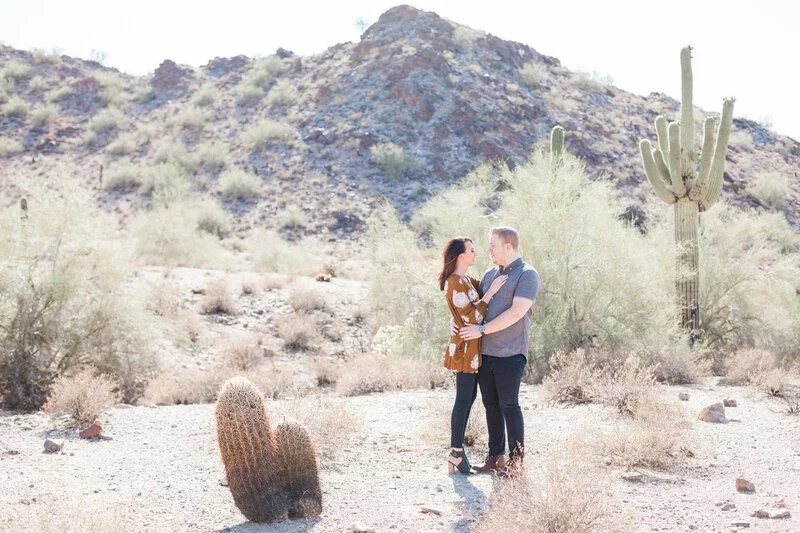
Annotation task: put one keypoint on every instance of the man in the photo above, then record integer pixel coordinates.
(505, 349)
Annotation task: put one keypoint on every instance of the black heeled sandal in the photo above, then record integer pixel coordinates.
(457, 460)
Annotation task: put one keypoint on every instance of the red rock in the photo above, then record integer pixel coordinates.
(742, 485)
(729, 402)
(51, 446)
(92, 431)
(713, 413)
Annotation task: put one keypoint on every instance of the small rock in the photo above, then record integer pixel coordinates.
(683, 396)
(92, 431)
(431, 510)
(51, 446)
(742, 485)
(760, 514)
(729, 402)
(633, 476)
(781, 515)
(713, 413)
(728, 507)
(358, 527)
(740, 524)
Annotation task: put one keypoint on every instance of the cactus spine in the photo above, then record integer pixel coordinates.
(670, 169)
(271, 476)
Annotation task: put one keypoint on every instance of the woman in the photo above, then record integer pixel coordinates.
(466, 307)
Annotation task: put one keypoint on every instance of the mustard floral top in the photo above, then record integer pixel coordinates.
(464, 302)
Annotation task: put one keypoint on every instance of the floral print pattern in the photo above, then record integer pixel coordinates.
(466, 308)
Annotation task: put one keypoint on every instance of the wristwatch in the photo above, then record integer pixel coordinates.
(480, 328)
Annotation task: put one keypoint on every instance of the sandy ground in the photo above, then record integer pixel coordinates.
(161, 471)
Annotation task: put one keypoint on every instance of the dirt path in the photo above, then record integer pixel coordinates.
(161, 470)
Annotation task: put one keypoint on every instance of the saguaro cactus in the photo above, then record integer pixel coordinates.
(671, 170)
(556, 146)
(271, 474)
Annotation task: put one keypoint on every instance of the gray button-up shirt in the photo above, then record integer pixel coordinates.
(523, 281)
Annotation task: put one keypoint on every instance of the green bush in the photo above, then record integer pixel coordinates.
(16, 107)
(106, 120)
(393, 158)
(239, 184)
(281, 94)
(262, 134)
(63, 303)
(9, 147)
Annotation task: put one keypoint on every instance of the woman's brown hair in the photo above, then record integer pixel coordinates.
(450, 253)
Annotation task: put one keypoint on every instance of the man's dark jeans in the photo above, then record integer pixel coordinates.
(466, 391)
(499, 379)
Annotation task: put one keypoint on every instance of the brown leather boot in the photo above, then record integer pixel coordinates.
(493, 463)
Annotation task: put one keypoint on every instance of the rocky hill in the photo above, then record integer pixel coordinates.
(432, 98)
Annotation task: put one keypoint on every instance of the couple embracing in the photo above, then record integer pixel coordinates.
(488, 345)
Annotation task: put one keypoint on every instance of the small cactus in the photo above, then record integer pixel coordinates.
(297, 455)
(556, 146)
(249, 452)
(271, 474)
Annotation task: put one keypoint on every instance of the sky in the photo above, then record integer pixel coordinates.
(745, 49)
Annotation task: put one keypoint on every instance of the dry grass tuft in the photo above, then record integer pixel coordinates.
(329, 421)
(325, 370)
(558, 497)
(218, 299)
(364, 375)
(298, 333)
(244, 357)
(83, 396)
(307, 300)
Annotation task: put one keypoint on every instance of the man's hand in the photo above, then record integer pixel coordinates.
(469, 332)
(453, 328)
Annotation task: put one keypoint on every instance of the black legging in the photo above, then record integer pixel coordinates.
(466, 392)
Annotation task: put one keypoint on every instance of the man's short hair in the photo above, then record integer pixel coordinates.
(507, 234)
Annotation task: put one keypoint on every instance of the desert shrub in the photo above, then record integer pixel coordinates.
(15, 71)
(239, 184)
(169, 237)
(244, 357)
(218, 299)
(43, 115)
(248, 95)
(106, 120)
(143, 93)
(298, 333)
(292, 216)
(16, 107)
(329, 421)
(205, 96)
(201, 386)
(212, 156)
(190, 118)
(533, 73)
(83, 396)
(654, 437)
(281, 94)
(165, 299)
(122, 177)
(212, 219)
(325, 370)
(464, 38)
(749, 281)
(746, 367)
(264, 71)
(175, 153)
(394, 160)
(63, 304)
(273, 254)
(365, 375)
(37, 83)
(167, 183)
(265, 132)
(771, 189)
(122, 145)
(559, 496)
(306, 300)
(61, 93)
(9, 147)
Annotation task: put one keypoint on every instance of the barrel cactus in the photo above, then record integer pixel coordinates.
(298, 465)
(272, 474)
(671, 170)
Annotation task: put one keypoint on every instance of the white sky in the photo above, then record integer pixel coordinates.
(743, 48)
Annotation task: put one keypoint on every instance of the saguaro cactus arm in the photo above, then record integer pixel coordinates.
(654, 172)
(687, 108)
(675, 159)
(718, 161)
(556, 146)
